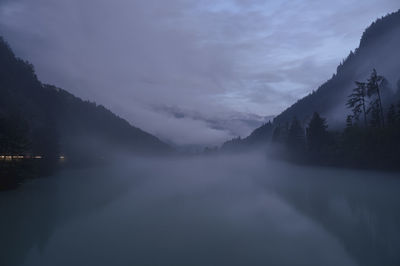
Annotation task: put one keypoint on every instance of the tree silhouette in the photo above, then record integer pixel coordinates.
(357, 101)
(280, 133)
(296, 136)
(14, 139)
(375, 114)
(398, 112)
(391, 116)
(349, 122)
(374, 85)
(317, 133)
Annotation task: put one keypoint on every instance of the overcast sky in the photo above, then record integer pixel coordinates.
(188, 71)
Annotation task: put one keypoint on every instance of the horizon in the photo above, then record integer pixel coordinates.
(218, 98)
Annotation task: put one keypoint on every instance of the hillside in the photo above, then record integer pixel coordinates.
(259, 135)
(45, 120)
(378, 49)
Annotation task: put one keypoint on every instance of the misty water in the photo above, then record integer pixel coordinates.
(217, 210)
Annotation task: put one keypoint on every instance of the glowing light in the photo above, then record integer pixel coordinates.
(18, 157)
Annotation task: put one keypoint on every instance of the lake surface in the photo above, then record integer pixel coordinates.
(220, 210)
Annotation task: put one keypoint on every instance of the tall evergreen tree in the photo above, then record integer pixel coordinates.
(349, 121)
(391, 116)
(398, 113)
(357, 101)
(374, 112)
(280, 133)
(296, 137)
(374, 85)
(317, 133)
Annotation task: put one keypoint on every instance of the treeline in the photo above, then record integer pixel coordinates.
(378, 49)
(371, 138)
(18, 145)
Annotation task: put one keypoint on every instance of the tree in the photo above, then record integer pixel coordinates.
(317, 133)
(391, 116)
(280, 133)
(296, 135)
(374, 85)
(357, 101)
(398, 112)
(375, 114)
(14, 135)
(349, 121)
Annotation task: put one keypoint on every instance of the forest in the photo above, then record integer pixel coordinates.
(370, 139)
(42, 126)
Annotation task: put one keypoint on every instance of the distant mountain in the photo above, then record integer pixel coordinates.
(45, 120)
(232, 123)
(378, 49)
(260, 135)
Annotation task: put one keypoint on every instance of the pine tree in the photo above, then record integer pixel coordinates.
(374, 85)
(296, 138)
(349, 122)
(276, 133)
(317, 134)
(374, 112)
(398, 113)
(391, 116)
(280, 133)
(357, 101)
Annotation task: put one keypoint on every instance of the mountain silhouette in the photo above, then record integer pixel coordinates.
(378, 49)
(42, 119)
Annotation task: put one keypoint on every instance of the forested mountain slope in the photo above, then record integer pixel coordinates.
(45, 120)
(379, 49)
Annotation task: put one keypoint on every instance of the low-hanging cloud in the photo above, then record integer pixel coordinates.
(217, 58)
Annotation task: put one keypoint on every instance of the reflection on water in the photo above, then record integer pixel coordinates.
(14, 170)
(238, 210)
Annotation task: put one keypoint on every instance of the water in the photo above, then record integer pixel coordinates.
(222, 210)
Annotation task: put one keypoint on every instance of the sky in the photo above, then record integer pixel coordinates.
(188, 71)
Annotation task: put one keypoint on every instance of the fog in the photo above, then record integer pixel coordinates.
(219, 63)
(215, 210)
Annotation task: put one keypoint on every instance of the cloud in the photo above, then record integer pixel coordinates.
(229, 125)
(217, 58)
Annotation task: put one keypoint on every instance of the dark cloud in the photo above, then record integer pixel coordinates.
(219, 58)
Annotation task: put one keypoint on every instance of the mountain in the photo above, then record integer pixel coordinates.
(44, 120)
(259, 135)
(378, 49)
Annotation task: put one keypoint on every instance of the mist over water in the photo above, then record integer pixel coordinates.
(216, 210)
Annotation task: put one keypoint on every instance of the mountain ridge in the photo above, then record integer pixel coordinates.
(59, 122)
(330, 98)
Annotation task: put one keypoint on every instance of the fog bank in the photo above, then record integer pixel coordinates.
(217, 210)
